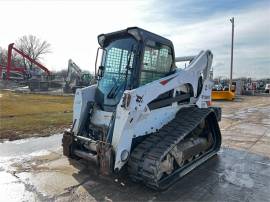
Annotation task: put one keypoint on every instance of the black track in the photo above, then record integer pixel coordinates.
(144, 161)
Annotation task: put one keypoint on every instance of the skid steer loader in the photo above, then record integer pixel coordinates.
(145, 114)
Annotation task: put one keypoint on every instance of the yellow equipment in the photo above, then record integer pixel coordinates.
(224, 94)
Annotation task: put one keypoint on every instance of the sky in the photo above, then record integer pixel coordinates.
(71, 27)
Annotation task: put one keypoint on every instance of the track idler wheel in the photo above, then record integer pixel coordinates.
(166, 166)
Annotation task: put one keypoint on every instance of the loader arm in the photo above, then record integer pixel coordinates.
(132, 113)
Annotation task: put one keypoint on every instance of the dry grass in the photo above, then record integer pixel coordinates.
(26, 115)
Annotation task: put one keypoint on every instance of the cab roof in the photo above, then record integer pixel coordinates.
(138, 33)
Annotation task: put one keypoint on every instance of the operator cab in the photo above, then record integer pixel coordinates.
(130, 58)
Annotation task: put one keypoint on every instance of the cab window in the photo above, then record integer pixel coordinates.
(157, 63)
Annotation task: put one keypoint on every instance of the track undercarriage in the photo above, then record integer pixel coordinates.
(176, 149)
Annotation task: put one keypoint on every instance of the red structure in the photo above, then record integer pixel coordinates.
(10, 68)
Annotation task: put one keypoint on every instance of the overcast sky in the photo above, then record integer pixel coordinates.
(71, 27)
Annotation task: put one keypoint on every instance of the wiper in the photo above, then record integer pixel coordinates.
(113, 90)
(128, 65)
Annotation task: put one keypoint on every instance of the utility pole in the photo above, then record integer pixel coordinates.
(232, 21)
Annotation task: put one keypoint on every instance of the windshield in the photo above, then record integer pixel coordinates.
(118, 54)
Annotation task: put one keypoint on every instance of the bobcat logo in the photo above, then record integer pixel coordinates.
(139, 99)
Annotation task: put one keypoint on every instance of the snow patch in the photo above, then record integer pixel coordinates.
(42, 152)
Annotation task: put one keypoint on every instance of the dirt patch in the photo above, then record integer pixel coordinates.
(16, 135)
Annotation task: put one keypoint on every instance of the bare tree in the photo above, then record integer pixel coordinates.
(34, 47)
(3, 56)
(17, 61)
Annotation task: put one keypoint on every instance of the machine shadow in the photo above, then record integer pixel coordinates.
(121, 188)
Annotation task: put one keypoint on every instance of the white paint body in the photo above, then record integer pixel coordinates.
(137, 119)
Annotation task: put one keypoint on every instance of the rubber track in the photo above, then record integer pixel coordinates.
(144, 159)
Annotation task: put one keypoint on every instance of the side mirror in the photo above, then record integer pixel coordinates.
(100, 72)
(99, 58)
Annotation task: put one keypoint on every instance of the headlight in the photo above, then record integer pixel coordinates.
(124, 155)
